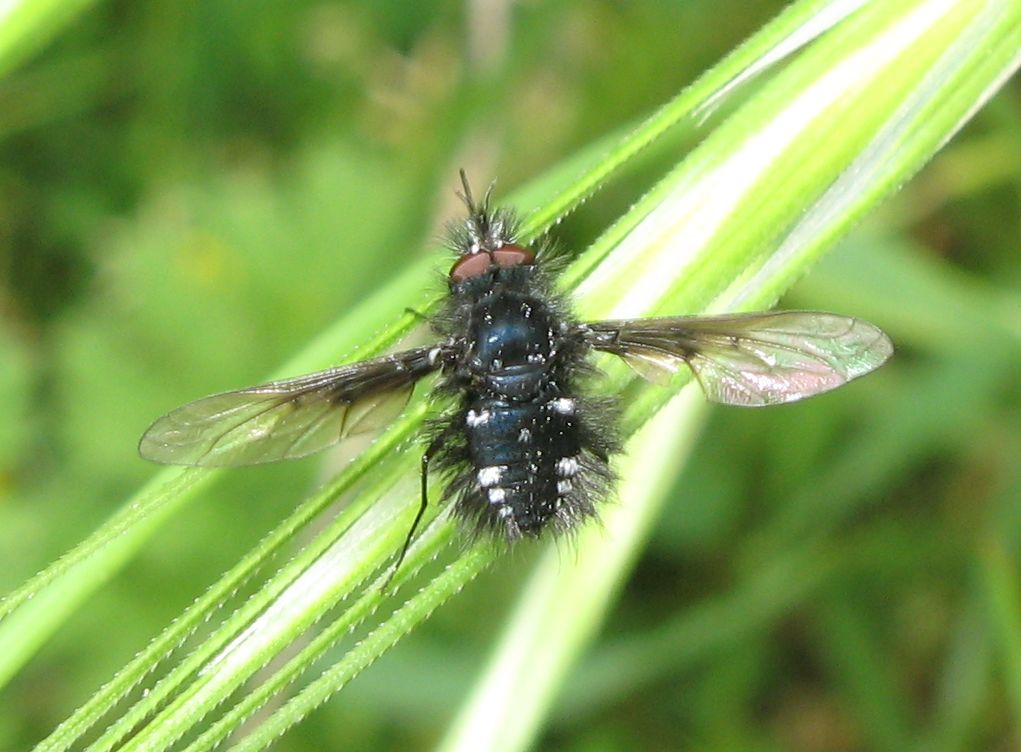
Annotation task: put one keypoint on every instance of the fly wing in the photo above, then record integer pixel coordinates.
(750, 360)
(290, 418)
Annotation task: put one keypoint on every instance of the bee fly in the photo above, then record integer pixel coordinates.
(523, 448)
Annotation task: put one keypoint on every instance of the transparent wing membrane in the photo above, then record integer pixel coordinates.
(749, 360)
(290, 418)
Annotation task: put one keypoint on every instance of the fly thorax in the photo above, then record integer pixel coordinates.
(512, 344)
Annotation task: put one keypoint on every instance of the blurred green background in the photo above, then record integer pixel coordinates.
(189, 191)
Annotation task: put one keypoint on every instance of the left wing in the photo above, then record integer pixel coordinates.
(750, 360)
(290, 418)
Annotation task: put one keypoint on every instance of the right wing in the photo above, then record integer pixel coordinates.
(750, 359)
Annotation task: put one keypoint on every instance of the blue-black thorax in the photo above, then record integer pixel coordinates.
(513, 336)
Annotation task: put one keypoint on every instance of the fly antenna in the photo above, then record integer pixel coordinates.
(489, 195)
(469, 201)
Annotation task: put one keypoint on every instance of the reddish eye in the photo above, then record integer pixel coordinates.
(513, 255)
(470, 265)
(473, 264)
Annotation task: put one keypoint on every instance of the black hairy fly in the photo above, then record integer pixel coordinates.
(523, 448)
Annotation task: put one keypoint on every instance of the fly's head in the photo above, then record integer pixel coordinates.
(485, 240)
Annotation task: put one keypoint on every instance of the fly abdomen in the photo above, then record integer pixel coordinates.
(526, 458)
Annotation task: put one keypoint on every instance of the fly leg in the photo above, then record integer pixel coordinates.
(430, 452)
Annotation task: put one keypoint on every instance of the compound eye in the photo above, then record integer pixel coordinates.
(513, 255)
(473, 264)
(470, 265)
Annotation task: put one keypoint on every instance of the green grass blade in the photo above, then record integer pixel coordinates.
(27, 25)
(782, 37)
(562, 606)
(35, 610)
(731, 227)
(850, 649)
(1001, 584)
(79, 572)
(909, 122)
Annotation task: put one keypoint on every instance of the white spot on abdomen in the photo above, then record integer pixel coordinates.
(562, 405)
(497, 495)
(474, 419)
(490, 476)
(567, 467)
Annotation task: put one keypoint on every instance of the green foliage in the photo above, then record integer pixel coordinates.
(190, 192)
